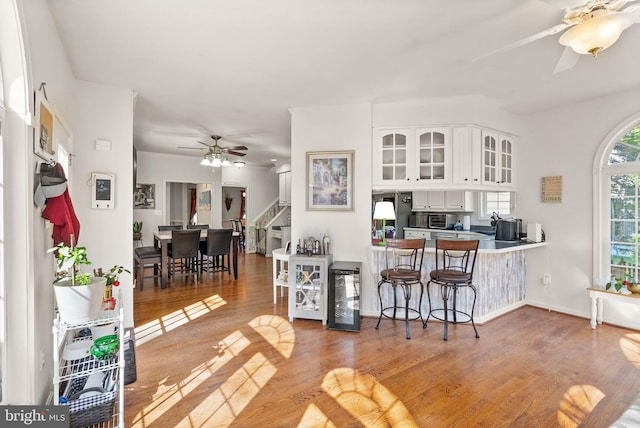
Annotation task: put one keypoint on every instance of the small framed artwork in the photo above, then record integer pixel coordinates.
(330, 181)
(43, 145)
(144, 197)
(204, 203)
(102, 194)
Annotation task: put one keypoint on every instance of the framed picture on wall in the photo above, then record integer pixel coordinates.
(204, 203)
(43, 145)
(330, 181)
(144, 197)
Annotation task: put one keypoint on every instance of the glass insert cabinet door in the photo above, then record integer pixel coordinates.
(308, 287)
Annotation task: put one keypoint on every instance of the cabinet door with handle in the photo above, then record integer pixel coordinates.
(390, 157)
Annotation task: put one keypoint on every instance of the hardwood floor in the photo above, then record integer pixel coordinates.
(219, 353)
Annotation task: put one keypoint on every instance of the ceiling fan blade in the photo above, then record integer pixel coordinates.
(568, 59)
(548, 32)
(231, 152)
(237, 148)
(191, 148)
(204, 144)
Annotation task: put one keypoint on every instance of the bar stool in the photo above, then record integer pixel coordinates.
(403, 266)
(455, 262)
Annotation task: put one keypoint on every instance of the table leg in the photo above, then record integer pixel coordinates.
(236, 239)
(165, 264)
(600, 310)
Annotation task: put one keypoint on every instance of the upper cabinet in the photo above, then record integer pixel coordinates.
(467, 156)
(442, 200)
(497, 160)
(457, 157)
(411, 157)
(284, 186)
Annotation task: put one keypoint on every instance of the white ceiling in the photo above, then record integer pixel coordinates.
(234, 67)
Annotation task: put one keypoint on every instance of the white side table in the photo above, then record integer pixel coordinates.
(280, 271)
(598, 297)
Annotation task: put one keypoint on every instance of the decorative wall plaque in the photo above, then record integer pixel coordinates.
(552, 189)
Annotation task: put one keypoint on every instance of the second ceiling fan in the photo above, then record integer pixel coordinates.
(591, 27)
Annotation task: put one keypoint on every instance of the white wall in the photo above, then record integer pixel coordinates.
(564, 142)
(329, 129)
(105, 113)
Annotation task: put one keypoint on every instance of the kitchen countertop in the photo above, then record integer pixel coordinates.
(487, 244)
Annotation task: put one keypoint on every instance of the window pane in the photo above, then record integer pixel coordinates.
(628, 149)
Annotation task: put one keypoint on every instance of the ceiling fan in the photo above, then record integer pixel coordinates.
(216, 154)
(591, 27)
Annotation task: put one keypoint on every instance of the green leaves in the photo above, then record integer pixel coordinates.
(67, 259)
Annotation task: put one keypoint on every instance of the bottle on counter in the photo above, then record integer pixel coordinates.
(458, 225)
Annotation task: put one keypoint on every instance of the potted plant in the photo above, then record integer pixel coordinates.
(79, 295)
(137, 230)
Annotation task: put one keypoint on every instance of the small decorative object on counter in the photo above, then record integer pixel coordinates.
(623, 285)
(458, 225)
(325, 243)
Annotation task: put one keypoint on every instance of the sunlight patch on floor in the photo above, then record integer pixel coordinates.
(314, 418)
(277, 331)
(168, 395)
(222, 406)
(366, 399)
(630, 345)
(577, 403)
(156, 328)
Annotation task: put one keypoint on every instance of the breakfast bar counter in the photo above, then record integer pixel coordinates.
(499, 277)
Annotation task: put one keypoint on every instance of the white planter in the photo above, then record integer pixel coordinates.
(81, 303)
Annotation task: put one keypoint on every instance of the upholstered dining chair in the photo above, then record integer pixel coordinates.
(455, 262)
(145, 257)
(215, 252)
(183, 254)
(403, 266)
(198, 226)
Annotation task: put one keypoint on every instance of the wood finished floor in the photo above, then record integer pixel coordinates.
(220, 353)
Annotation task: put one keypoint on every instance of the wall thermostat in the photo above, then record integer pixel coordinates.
(102, 194)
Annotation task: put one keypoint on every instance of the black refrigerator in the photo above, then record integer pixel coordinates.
(344, 296)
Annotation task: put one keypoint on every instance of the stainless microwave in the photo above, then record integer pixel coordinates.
(432, 220)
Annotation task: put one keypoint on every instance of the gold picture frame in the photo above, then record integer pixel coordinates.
(330, 181)
(43, 143)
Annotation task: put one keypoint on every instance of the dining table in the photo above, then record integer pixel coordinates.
(163, 239)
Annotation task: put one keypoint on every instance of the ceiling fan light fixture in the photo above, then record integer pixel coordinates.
(215, 162)
(226, 162)
(205, 162)
(238, 164)
(596, 33)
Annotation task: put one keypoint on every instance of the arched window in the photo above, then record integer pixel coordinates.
(617, 205)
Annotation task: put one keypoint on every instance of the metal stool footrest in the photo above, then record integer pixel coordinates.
(453, 315)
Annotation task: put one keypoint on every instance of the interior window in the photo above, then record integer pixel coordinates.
(496, 202)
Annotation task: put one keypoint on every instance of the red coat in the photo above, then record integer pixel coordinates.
(59, 211)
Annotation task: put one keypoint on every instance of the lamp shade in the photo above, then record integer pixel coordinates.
(384, 211)
(596, 33)
(205, 162)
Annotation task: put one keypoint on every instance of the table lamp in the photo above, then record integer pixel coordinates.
(384, 211)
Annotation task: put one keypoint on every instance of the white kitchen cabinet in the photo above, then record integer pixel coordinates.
(414, 234)
(441, 200)
(284, 187)
(498, 156)
(420, 200)
(467, 156)
(411, 157)
(459, 200)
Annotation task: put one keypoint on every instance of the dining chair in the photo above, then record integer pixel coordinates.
(236, 225)
(403, 269)
(183, 254)
(166, 228)
(455, 262)
(215, 252)
(198, 226)
(144, 257)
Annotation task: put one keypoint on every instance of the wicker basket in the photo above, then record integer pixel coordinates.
(89, 410)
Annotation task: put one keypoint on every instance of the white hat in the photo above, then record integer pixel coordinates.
(45, 192)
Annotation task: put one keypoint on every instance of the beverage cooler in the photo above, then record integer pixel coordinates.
(344, 296)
